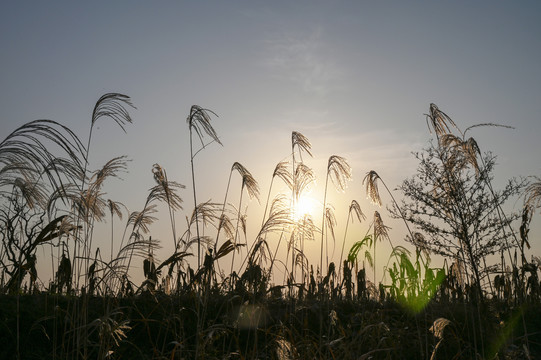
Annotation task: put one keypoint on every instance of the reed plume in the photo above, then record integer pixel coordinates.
(339, 171)
(355, 209)
(301, 142)
(27, 152)
(372, 191)
(114, 209)
(438, 121)
(199, 122)
(380, 233)
(113, 106)
(533, 193)
(281, 171)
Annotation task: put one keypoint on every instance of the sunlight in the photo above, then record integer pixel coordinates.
(304, 206)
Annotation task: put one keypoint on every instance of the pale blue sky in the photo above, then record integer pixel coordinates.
(355, 77)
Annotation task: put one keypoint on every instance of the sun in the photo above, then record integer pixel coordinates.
(304, 206)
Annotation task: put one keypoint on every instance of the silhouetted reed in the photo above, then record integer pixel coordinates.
(274, 302)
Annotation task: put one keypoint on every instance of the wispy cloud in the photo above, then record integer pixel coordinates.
(303, 59)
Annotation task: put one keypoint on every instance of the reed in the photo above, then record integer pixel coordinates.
(95, 307)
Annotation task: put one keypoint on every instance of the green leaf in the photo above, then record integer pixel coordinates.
(354, 251)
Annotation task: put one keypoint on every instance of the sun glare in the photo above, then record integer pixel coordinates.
(304, 206)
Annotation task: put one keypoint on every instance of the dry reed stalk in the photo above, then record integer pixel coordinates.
(199, 122)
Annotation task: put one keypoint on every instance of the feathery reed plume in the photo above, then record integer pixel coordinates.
(167, 191)
(32, 192)
(244, 224)
(330, 223)
(380, 229)
(226, 225)
(301, 142)
(439, 121)
(248, 181)
(199, 121)
(306, 228)
(304, 178)
(26, 143)
(142, 219)
(533, 193)
(438, 326)
(114, 209)
(113, 105)
(279, 219)
(450, 140)
(207, 213)
(339, 171)
(69, 193)
(67, 168)
(110, 169)
(354, 208)
(91, 204)
(259, 251)
(460, 153)
(11, 172)
(380, 233)
(372, 191)
(24, 151)
(281, 171)
(471, 150)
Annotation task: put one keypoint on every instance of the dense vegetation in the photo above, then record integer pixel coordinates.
(217, 295)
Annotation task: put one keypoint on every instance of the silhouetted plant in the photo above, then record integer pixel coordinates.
(354, 208)
(180, 311)
(449, 200)
(199, 122)
(339, 171)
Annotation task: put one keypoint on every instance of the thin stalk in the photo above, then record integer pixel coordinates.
(343, 246)
(276, 252)
(223, 207)
(112, 235)
(267, 203)
(195, 203)
(293, 203)
(237, 227)
(374, 257)
(323, 225)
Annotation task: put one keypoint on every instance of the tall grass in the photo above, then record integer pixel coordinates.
(187, 306)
